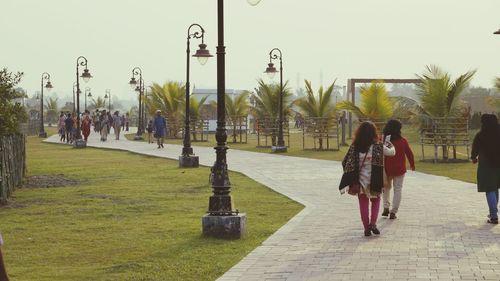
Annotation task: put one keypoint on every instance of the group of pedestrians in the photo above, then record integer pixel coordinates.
(375, 165)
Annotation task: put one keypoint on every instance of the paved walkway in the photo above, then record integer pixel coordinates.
(441, 232)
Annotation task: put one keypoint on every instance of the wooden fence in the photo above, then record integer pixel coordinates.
(321, 133)
(448, 132)
(12, 164)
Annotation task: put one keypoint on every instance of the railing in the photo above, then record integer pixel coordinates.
(267, 132)
(445, 132)
(12, 164)
(321, 133)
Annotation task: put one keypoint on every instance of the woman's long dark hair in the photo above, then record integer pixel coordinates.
(488, 139)
(393, 128)
(365, 136)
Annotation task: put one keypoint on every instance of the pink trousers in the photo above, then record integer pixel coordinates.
(364, 203)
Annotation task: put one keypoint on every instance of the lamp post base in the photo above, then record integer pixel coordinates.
(138, 137)
(81, 143)
(228, 227)
(43, 134)
(278, 149)
(190, 161)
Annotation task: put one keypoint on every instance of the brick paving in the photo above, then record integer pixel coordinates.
(440, 234)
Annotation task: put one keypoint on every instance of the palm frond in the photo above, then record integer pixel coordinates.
(350, 106)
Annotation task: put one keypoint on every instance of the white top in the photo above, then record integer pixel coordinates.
(365, 169)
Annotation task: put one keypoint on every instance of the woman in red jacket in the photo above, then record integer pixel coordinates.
(395, 167)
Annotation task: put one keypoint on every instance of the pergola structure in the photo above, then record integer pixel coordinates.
(351, 88)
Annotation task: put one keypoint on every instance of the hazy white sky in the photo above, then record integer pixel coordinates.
(339, 38)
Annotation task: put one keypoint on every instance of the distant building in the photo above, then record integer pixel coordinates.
(479, 104)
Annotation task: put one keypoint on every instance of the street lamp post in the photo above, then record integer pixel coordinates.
(89, 94)
(74, 97)
(80, 61)
(271, 72)
(188, 159)
(137, 71)
(48, 86)
(222, 220)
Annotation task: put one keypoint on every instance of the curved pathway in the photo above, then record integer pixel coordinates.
(440, 234)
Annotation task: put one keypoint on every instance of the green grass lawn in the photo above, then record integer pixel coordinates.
(134, 218)
(461, 171)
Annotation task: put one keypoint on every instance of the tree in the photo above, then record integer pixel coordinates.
(195, 107)
(376, 105)
(266, 99)
(51, 108)
(497, 84)
(169, 98)
(439, 95)
(237, 108)
(11, 113)
(320, 107)
(97, 104)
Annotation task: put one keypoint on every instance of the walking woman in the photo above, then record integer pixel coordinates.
(61, 125)
(486, 147)
(364, 173)
(395, 167)
(86, 125)
(104, 125)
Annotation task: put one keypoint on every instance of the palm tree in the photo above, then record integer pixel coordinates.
(169, 98)
(376, 105)
(495, 100)
(439, 95)
(320, 107)
(96, 104)
(51, 108)
(195, 107)
(266, 99)
(236, 108)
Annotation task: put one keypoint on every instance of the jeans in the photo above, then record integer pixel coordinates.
(364, 203)
(397, 183)
(492, 198)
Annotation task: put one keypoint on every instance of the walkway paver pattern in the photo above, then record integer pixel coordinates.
(440, 234)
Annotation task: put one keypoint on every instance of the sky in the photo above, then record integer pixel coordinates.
(321, 40)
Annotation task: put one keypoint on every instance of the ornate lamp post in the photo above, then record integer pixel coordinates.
(87, 94)
(137, 71)
(48, 86)
(271, 72)
(222, 220)
(188, 159)
(74, 97)
(80, 61)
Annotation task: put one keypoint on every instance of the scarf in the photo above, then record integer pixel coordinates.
(351, 169)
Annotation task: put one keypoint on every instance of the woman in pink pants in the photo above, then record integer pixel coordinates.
(364, 173)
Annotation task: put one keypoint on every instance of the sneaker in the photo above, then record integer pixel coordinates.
(392, 216)
(162, 146)
(386, 212)
(368, 232)
(493, 221)
(374, 229)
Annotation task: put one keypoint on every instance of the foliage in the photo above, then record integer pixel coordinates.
(237, 108)
(322, 106)
(266, 98)
(376, 104)
(97, 104)
(51, 108)
(11, 113)
(497, 84)
(169, 98)
(195, 107)
(439, 95)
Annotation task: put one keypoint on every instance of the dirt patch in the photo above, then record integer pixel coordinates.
(46, 181)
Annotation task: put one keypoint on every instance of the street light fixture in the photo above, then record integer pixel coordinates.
(188, 159)
(48, 86)
(271, 72)
(87, 94)
(80, 61)
(137, 71)
(222, 220)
